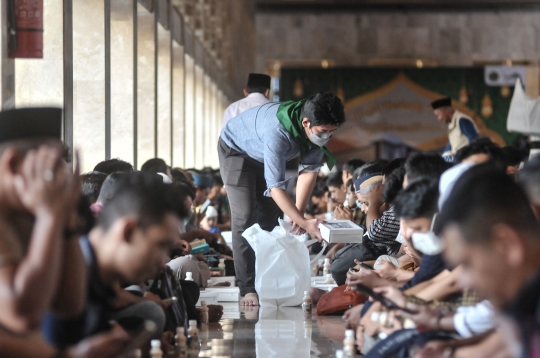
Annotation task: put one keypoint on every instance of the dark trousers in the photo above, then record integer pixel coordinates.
(244, 180)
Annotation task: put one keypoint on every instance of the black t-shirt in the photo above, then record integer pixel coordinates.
(99, 302)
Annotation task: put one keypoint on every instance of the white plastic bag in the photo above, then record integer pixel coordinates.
(282, 267)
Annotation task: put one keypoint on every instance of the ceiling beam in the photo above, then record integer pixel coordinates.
(396, 5)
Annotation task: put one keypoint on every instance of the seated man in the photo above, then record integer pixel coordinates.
(495, 239)
(382, 227)
(336, 188)
(130, 243)
(40, 268)
(415, 207)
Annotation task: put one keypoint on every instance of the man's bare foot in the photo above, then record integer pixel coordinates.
(316, 294)
(250, 299)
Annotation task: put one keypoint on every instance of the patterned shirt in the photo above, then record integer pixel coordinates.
(383, 231)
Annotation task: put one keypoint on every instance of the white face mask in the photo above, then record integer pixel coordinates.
(427, 242)
(321, 139)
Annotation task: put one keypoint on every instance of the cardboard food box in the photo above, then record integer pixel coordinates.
(341, 231)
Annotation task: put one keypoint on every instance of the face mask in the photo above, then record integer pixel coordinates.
(358, 204)
(427, 242)
(321, 139)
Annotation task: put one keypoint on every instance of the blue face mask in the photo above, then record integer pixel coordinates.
(358, 204)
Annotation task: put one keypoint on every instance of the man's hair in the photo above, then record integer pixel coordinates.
(393, 165)
(178, 175)
(429, 165)
(393, 185)
(335, 180)
(529, 179)
(188, 188)
(324, 109)
(155, 165)
(110, 185)
(256, 89)
(482, 145)
(353, 164)
(217, 180)
(144, 196)
(320, 188)
(183, 191)
(417, 200)
(512, 156)
(113, 165)
(483, 197)
(91, 185)
(369, 168)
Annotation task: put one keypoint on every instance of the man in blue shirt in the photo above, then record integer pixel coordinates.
(254, 148)
(461, 128)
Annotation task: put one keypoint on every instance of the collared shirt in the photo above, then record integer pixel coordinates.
(525, 311)
(258, 133)
(253, 100)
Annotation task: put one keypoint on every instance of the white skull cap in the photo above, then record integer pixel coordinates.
(448, 179)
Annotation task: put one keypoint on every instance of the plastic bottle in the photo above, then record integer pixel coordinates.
(181, 339)
(348, 344)
(189, 276)
(326, 267)
(156, 351)
(204, 313)
(209, 283)
(321, 264)
(329, 279)
(340, 354)
(307, 304)
(221, 266)
(315, 270)
(193, 334)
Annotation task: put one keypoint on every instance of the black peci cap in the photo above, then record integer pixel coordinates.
(30, 123)
(258, 80)
(443, 102)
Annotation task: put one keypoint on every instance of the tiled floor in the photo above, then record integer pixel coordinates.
(271, 332)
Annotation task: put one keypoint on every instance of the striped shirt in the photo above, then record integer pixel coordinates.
(383, 231)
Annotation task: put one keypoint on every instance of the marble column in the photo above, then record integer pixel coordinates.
(122, 78)
(178, 96)
(200, 144)
(89, 81)
(146, 97)
(190, 113)
(163, 99)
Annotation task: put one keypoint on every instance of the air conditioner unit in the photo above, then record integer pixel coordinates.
(504, 75)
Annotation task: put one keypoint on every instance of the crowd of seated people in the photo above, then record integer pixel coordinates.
(84, 259)
(449, 255)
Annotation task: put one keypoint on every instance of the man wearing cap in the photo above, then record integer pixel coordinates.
(256, 93)
(461, 128)
(253, 149)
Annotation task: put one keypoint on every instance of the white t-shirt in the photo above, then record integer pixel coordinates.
(253, 100)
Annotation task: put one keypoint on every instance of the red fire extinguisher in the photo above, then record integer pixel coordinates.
(26, 28)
